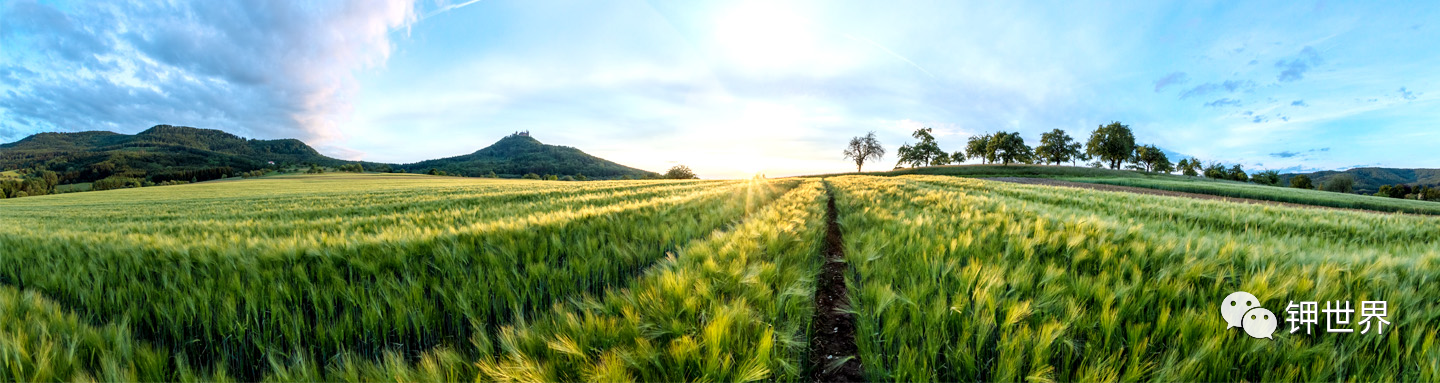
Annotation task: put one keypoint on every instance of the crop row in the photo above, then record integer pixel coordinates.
(961, 280)
(248, 308)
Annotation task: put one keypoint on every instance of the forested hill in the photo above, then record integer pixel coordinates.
(1369, 180)
(161, 153)
(520, 154)
(177, 153)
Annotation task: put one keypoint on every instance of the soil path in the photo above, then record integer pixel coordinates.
(1130, 189)
(833, 354)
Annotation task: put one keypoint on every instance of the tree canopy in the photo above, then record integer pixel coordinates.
(1153, 159)
(1057, 146)
(680, 172)
(1007, 147)
(923, 153)
(1301, 182)
(976, 148)
(1113, 143)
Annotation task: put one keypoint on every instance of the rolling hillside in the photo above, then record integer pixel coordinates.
(1369, 180)
(160, 153)
(167, 152)
(519, 154)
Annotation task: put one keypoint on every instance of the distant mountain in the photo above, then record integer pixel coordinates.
(165, 152)
(519, 154)
(160, 153)
(1369, 180)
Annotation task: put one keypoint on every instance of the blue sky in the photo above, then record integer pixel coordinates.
(738, 87)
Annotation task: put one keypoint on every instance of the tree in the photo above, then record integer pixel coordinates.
(923, 153)
(1153, 159)
(1009, 147)
(1268, 177)
(1057, 147)
(975, 148)
(1217, 171)
(581, 177)
(1238, 173)
(531, 176)
(1396, 191)
(567, 178)
(958, 157)
(1190, 167)
(1113, 143)
(1301, 182)
(680, 172)
(492, 175)
(1340, 183)
(1431, 194)
(863, 149)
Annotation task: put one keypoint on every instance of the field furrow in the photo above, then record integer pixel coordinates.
(732, 307)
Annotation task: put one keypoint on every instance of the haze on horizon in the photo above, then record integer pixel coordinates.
(735, 88)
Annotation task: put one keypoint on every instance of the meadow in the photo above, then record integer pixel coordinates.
(1270, 193)
(394, 277)
(967, 280)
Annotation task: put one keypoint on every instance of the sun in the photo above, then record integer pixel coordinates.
(763, 34)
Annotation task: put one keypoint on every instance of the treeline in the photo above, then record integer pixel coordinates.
(677, 172)
(1403, 191)
(31, 183)
(1109, 146)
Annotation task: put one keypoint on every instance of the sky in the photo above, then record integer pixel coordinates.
(736, 88)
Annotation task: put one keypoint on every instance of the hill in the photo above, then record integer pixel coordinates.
(519, 154)
(1369, 180)
(164, 153)
(159, 154)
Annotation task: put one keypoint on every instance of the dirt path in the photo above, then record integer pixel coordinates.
(1129, 189)
(833, 354)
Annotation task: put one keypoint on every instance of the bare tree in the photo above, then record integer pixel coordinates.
(863, 149)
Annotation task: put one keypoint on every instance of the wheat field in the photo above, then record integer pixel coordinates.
(371, 277)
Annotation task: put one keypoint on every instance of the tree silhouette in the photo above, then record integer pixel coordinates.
(865, 148)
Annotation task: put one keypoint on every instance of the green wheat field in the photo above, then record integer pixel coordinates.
(394, 277)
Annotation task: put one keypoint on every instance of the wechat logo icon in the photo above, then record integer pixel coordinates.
(1242, 309)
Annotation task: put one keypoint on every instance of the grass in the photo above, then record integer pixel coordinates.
(968, 280)
(252, 278)
(1272, 193)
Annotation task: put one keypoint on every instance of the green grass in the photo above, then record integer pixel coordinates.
(72, 188)
(1272, 193)
(967, 280)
